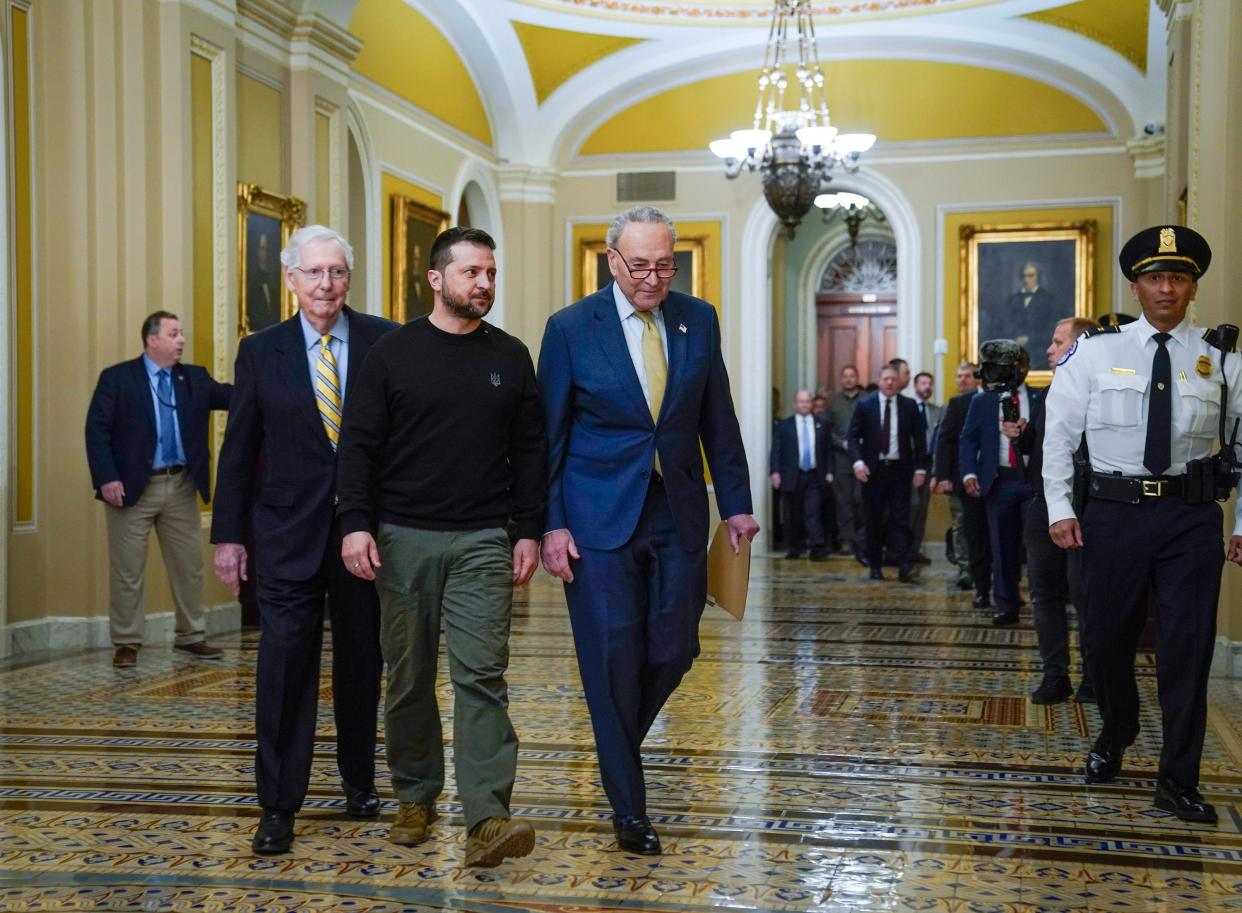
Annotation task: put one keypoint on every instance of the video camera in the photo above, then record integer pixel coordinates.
(1002, 369)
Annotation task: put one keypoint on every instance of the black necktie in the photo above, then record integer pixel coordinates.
(886, 427)
(1156, 455)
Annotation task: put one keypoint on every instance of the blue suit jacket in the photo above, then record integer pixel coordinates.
(120, 425)
(786, 455)
(602, 439)
(979, 445)
(277, 466)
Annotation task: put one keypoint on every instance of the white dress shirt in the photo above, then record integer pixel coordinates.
(633, 327)
(893, 451)
(1102, 386)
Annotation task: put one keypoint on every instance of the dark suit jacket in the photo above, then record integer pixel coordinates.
(979, 445)
(601, 437)
(786, 454)
(945, 465)
(864, 436)
(276, 464)
(120, 425)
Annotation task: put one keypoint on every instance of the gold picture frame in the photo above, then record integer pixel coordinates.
(262, 218)
(690, 254)
(414, 228)
(997, 302)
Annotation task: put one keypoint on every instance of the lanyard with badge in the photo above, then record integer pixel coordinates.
(1215, 478)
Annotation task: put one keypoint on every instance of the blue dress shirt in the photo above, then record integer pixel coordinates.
(153, 381)
(338, 346)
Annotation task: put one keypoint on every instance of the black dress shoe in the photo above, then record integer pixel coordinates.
(1086, 692)
(361, 804)
(793, 554)
(982, 601)
(636, 835)
(1052, 690)
(1002, 618)
(275, 833)
(877, 574)
(1103, 764)
(861, 559)
(1185, 802)
(908, 573)
(965, 582)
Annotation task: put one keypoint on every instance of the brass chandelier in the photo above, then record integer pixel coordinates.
(794, 148)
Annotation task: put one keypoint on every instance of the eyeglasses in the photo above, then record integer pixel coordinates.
(662, 272)
(336, 273)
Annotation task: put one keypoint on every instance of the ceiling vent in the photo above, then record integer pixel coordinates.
(646, 186)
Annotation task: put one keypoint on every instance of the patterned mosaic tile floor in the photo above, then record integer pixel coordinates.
(850, 747)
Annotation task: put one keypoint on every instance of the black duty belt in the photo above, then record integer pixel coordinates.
(167, 470)
(1132, 489)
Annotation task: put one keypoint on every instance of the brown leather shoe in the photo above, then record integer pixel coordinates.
(495, 839)
(125, 657)
(411, 824)
(200, 650)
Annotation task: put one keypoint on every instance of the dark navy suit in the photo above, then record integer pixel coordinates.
(120, 425)
(886, 493)
(802, 493)
(641, 584)
(278, 470)
(1005, 492)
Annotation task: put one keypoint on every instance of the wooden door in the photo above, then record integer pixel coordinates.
(854, 328)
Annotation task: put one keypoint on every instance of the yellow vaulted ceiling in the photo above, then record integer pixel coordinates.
(406, 54)
(895, 99)
(554, 55)
(1117, 24)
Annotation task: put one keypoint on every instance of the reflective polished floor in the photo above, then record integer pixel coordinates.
(850, 746)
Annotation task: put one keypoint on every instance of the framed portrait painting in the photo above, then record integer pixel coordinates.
(1018, 281)
(264, 223)
(414, 228)
(687, 253)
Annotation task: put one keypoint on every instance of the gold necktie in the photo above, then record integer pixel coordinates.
(655, 367)
(328, 391)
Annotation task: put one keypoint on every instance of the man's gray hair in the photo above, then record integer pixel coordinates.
(647, 214)
(291, 256)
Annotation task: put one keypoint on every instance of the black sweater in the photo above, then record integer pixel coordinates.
(444, 432)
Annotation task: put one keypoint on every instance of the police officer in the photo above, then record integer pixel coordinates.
(1148, 397)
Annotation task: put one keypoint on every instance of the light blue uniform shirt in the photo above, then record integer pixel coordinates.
(338, 346)
(153, 381)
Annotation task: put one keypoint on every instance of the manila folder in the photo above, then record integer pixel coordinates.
(728, 575)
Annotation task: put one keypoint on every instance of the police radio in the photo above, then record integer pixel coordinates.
(1216, 477)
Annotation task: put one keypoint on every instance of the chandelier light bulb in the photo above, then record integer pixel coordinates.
(827, 201)
(752, 140)
(855, 142)
(727, 149)
(856, 200)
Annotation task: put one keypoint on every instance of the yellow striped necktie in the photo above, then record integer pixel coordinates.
(328, 391)
(656, 369)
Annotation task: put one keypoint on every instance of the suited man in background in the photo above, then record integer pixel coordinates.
(889, 453)
(801, 467)
(846, 490)
(149, 456)
(632, 380)
(929, 414)
(970, 520)
(995, 470)
(278, 467)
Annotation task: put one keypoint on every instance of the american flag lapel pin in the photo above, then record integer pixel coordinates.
(681, 328)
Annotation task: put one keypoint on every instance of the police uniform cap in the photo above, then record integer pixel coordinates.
(1165, 248)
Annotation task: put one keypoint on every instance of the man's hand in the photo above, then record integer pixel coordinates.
(828, 478)
(1235, 549)
(776, 480)
(1068, 534)
(558, 547)
(919, 479)
(944, 486)
(230, 564)
(113, 493)
(525, 561)
(861, 474)
(741, 525)
(360, 554)
(1013, 429)
(971, 487)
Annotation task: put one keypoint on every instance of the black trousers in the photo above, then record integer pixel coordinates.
(1178, 547)
(886, 499)
(1055, 576)
(978, 542)
(1006, 504)
(287, 692)
(804, 511)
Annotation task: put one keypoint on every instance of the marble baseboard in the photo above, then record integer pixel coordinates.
(72, 633)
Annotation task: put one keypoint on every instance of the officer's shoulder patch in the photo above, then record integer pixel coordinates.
(1070, 351)
(1099, 331)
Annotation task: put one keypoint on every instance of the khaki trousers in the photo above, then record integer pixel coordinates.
(170, 504)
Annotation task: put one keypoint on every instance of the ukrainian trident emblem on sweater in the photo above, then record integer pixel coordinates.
(495, 379)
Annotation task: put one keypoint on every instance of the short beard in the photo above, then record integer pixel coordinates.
(464, 309)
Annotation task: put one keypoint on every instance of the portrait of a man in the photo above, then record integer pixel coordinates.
(263, 286)
(414, 228)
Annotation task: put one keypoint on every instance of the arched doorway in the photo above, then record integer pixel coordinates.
(856, 311)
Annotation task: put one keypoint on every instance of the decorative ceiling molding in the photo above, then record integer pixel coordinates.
(745, 12)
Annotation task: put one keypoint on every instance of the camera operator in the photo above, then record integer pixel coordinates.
(1055, 575)
(1149, 397)
(994, 470)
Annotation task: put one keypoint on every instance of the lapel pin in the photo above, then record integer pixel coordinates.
(681, 328)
